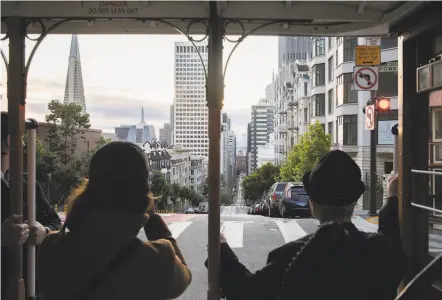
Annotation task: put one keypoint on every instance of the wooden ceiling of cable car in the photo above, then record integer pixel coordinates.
(311, 18)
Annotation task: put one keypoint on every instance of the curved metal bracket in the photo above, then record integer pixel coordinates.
(44, 32)
(242, 37)
(187, 35)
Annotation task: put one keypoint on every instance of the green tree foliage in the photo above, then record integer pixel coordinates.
(159, 183)
(261, 180)
(226, 198)
(67, 124)
(312, 145)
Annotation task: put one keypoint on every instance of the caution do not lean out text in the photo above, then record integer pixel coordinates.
(368, 55)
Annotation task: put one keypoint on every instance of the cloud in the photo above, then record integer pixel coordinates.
(107, 108)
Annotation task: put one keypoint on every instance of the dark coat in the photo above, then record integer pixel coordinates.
(45, 215)
(238, 283)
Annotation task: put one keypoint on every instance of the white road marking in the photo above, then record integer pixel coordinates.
(177, 228)
(290, 230)
(233, 231)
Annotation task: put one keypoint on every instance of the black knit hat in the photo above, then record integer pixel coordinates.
(335, 180)
(5, 127)
(118, 162)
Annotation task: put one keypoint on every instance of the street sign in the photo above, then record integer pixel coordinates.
(369, 117)
(390, 66)
(373, 41)
(368, 55)
(366, 78)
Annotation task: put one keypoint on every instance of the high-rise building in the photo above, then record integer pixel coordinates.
(138, 134)
(261, 126)
(172, 122)
(166, 134)
(190, 119)
(292, 48)
(74, 89)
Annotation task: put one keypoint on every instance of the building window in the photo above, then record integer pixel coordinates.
(337, 58)
(331, 105)
(330, 68)
(306, 115)
(350, 48)
(319, 105)
(330, 130)
(318, 75)
(319, 46)
(388, 84)
(305, 88)
(323, 127)
(330, 42)
(388, 43)
(350, 129)
(345, 92)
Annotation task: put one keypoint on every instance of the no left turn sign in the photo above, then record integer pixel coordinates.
(366, 78)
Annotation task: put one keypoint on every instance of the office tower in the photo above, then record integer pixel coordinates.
(261, 126)
(137, 133)
(74, 89)
(190, 119)
(166, 134)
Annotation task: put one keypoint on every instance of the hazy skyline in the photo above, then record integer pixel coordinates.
(121, 73)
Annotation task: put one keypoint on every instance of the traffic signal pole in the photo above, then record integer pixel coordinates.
(373, 176)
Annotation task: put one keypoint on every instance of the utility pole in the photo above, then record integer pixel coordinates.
(373, 176)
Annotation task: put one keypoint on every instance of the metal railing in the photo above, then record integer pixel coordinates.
(426, 172)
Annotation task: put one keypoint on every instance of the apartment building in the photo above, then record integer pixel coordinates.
(196, 172)
(324, 91)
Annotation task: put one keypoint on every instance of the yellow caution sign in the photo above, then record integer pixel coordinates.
(368, 55)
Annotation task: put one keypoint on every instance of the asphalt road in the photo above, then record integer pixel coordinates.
(251, 237)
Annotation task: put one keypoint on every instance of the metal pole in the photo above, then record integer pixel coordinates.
(214, 92)
(395, 132)
(16, 110)
(373, 175)
(31, 126)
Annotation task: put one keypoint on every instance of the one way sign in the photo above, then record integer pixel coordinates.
(390, 66)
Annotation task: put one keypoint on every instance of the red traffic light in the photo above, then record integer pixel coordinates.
(383, 104)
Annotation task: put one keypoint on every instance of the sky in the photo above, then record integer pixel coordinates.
(122, 73)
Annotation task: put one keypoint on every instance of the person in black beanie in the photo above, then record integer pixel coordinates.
(338, 260)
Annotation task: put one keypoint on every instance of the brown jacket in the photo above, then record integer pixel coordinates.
(157, 270)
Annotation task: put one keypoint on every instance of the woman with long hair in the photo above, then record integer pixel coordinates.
(97, 254)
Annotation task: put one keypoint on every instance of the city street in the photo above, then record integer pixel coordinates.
(251, 237)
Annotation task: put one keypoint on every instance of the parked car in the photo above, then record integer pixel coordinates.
(294, 201)
(190, 210)
(274, 196)
(264, 205)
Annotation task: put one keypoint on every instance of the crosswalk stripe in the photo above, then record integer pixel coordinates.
(233, 231)
(290, 230)
(177, 228)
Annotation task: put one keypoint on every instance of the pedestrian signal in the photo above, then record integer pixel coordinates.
(383, 104)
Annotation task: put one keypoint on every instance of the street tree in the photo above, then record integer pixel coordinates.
(226, 198)
(261, 180)
(158, 184)
(67, 124)
(312, 145)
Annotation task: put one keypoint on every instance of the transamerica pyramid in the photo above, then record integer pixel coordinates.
(74, 90)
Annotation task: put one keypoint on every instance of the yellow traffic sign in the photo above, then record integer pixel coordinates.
(368, 55)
